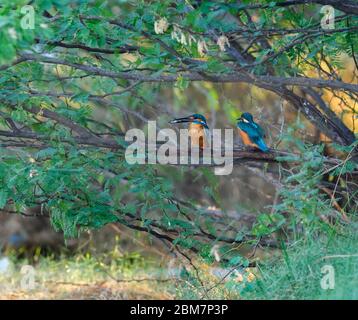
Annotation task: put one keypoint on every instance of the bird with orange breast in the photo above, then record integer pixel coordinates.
(251, 133)
(198, 129)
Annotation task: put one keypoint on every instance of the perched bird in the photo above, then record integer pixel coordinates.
(251, 133)
(198, 129)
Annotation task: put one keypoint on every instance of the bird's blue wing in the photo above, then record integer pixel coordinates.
(261, 131)
(251, 131)
(255, 133)
(207, 136)
(261, 144)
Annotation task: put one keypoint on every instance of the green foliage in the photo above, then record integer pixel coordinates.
(303, 206)
(73, 96)
(299, 275)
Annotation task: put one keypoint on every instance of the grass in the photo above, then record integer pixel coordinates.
(295, 273)
(298, 273)
(83, 276)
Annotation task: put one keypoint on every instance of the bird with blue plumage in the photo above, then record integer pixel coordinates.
(251, 133)
(198, 129)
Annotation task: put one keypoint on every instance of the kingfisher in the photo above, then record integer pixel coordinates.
(251, 133)
(198, 129)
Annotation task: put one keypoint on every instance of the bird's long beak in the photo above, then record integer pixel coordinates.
(182, 120)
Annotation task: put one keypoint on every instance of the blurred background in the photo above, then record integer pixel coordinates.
(111, 260)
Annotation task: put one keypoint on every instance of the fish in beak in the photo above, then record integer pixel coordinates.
(182, 120)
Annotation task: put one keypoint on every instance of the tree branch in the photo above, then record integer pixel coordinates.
(233, 77)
